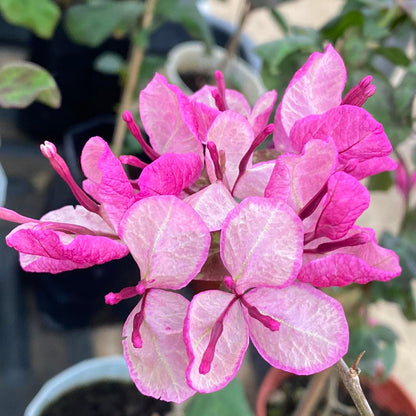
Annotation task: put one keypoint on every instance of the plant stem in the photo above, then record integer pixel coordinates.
(332, 402)
(232, 45)
(313, 393)
(134, 65)
(349, 377)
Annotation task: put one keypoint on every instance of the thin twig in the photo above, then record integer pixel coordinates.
(332, 402)
(135, 62)
(313, 393)
(349, 377)
(354, 366)
(332, 396)
(232, 45)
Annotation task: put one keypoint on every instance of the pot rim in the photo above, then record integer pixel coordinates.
(85, 372)
(192, 55)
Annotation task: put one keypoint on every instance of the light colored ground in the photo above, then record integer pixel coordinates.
(260, 25)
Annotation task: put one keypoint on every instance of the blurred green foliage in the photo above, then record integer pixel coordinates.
(372, 36)
(39, 16)
(24, 82)
(230, 401)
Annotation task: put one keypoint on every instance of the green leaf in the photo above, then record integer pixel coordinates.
(280, 20)
(379, 344)
(337, 26)
(265, 3)
(355, 51)
(404, 94)
(186, 13)
(393, 54)
(109, 63)
(352, 5)
(384, 333)
(279, 78)
(141, 37)
(150, 65)
(130, 145)
(23, 83)
(414, 155)
(382, 106)
(379, 4)
(275, 52)
(403, 247)
(408, 232)
(399, 290)
(39, 16)
(91, 24)
(373, 33)
(381, 182)
(229, 401)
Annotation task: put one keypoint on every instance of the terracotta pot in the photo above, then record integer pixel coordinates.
(272, 380)
(389, 395)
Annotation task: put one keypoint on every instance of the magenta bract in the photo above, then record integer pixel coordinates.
(269, 225)
(65, 239)
(171, 125)
(314, 89)
(168, 240)
(158, 368)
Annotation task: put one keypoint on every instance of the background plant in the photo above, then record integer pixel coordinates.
(371, 28)
(373, 37)
(91, 23)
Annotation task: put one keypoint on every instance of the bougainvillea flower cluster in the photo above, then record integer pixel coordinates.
(271, 226)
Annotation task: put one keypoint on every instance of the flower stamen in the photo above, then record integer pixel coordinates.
(359, 94)
(219, 93)
(135, 131)
(48, 149)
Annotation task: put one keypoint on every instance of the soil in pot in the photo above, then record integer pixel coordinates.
(106, 398)
(195, 80)
(285, 400)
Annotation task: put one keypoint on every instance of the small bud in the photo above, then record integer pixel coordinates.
(229, 282)
(112, 298)
(140, 288)
(127, 117)
(219, 93)
(132, 161)
(126, 293)
(359, 94)
(48, 149)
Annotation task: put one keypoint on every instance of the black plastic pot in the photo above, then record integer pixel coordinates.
(87, 93)
(76, 298)
(13, 35)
